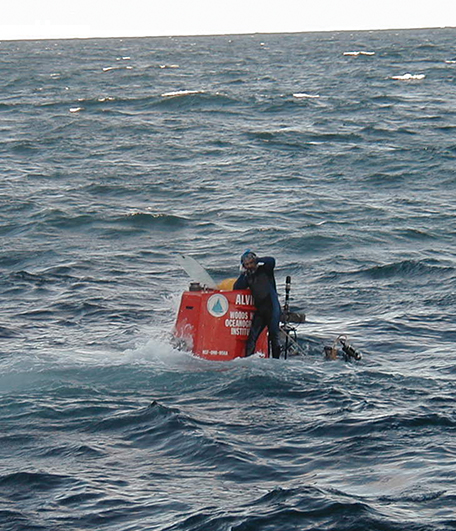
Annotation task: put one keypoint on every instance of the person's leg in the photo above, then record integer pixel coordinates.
(274, 331)
(255, 330)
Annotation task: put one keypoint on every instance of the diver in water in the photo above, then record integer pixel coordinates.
(258, 275)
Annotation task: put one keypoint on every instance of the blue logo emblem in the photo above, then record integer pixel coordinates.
(217, 305)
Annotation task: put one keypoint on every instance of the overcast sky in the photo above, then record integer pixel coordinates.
(31, 19)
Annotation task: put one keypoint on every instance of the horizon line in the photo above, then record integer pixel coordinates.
(252, 33)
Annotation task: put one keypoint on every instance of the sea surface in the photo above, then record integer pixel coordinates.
(333, 152)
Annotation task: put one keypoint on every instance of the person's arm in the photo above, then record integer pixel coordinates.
(241, 282)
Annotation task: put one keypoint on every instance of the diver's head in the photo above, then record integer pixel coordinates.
(249, 261)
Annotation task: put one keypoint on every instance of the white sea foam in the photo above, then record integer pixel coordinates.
(409, 77)
(300, 95)
(156, 351)
(75, 109)
(357, 53)
(169, 66)
(109, 68)
(177, 93)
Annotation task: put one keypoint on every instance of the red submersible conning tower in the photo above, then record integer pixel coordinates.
(214, 321)
(214, 324)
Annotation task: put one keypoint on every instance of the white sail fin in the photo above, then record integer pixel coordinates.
(196, 271)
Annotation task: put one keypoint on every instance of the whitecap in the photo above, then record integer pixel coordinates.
(169, 66)
(181, 93)
(409, 77)
(357, 53)
(109, 68)
(450, 62)
(75, 109)
(300, 95)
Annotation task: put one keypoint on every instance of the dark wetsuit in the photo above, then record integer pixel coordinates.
(263, 287)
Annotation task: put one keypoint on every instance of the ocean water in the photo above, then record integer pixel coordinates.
(332, 152)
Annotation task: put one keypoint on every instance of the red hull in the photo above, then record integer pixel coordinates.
(215, 324)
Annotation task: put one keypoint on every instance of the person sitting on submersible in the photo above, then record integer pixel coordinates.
(258, 275)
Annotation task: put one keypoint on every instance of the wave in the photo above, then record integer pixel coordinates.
(297, 139)
(409, 268)
(142, 219)
(24, 147)
(181, 93)
(170, 432)
(409, 77)
(116, 68)
(200, 99)
(109, 103)
(300, 508)
(416, 234)
(286, 103)
(401, 269)
(172, 99)
(260, 383)
(351, 431)
(304, 95)
(309, 507)
(359, 53)
(8, 332)
(100, 222)
(389, 131)
(35, 481)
